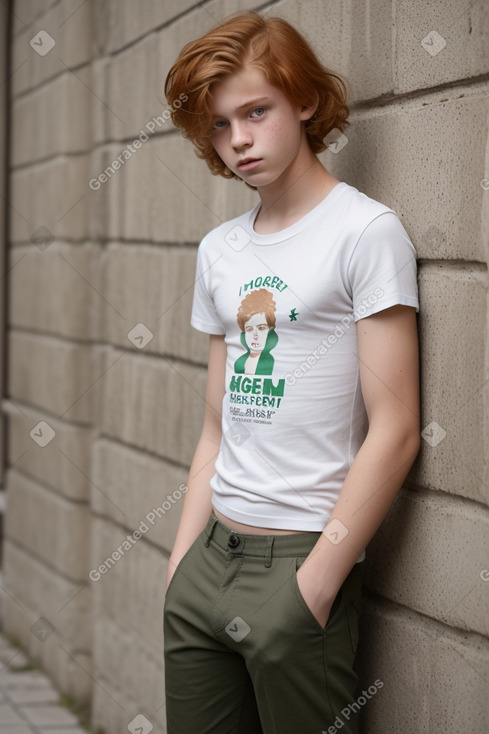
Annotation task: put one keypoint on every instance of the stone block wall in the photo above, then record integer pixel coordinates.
(106, 378)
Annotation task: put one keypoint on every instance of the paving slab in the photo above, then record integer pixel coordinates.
(8, 716)
(17, 661)
(24, 679)
(44, 716)
(13, 657)
(29, 695)
(29, 703)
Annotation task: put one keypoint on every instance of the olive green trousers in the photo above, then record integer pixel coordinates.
(243, 652)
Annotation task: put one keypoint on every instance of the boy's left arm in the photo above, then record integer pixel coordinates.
(389, 375)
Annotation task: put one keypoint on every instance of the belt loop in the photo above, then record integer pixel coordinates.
(268, 558)
(209, 531)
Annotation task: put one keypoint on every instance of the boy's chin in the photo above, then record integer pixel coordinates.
(242, 180)
(258, 185)
(249, 185)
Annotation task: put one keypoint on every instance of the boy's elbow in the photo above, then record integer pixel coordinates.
(408, 440)
(412, 443)
(401, 439)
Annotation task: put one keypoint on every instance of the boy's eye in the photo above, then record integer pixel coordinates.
(259, 112)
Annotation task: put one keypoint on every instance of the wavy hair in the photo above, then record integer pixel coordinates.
(260, 301)
(284, 56)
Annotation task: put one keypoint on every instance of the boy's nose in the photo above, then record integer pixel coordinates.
(240, 137)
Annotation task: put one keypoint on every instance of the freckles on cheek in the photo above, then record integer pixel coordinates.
(271, 135)
(280, 134)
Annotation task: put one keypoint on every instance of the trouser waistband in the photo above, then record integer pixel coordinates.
(259, 546)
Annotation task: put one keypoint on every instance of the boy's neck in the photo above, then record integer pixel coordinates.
(286, 201)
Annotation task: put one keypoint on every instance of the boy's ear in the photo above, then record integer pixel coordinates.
(307, 111)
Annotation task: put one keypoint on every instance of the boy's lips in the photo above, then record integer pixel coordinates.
(246, 163)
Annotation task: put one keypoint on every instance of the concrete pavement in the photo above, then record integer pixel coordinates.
(29, 703)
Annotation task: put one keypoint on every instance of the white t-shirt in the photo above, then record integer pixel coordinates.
(293, 416)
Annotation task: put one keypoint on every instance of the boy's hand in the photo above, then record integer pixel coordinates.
(318, 599)
(172, 567)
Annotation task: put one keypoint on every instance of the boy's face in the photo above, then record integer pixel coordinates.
(256, 332)
(256, 131)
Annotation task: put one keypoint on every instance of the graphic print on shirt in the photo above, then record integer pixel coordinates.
(252, 386)
(256, 319)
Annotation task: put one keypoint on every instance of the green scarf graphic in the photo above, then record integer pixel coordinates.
(265, 360)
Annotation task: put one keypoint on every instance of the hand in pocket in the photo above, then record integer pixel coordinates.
(316, 598)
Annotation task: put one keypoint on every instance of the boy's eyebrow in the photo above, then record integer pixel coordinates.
(250, 103)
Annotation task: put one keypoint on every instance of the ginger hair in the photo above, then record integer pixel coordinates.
(260, 301)
(284, 56)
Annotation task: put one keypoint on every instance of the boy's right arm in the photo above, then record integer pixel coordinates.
(197, 500)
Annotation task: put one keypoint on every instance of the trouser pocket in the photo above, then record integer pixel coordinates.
(312, 619)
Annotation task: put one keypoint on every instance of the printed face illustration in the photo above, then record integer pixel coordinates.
(256, 321)
(256, 331)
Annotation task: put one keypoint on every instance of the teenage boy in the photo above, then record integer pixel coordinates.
(302, 451)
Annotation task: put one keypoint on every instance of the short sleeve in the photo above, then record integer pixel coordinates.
(382, 268)
(204, 316)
